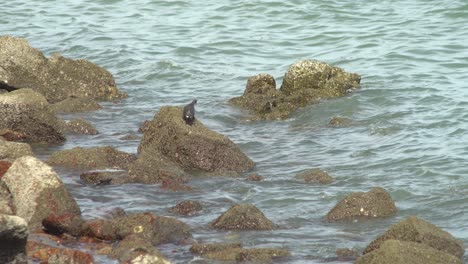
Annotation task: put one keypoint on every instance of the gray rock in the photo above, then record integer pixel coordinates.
(75, 104)
(37, 191)
(57, 78)
(314, 176)
(13, 236)
(26, 111)
(13, 150)
(80, 126)
(243, 217)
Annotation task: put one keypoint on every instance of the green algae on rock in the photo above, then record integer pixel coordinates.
(243, 217)
(56, 77)
(374, 203)
(305, 82)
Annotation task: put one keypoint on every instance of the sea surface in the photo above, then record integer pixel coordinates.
(409, 129)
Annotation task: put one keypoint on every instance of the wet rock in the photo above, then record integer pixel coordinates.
(144, 126)
(130, 137)
(55, 255)
(37, 191)
(416, 230)
(374, 203)
(25, 111)
(57, 78)
(134, 249)
(314, 176)
(13, 237)
(255, 255)
(10, 135)
(192, 147)
(175, 186)
(152, 167)
(79, 126)
(104, 177)
(102, 229)
(204, 248)
(255, 177)
(403, 252)
(243, 216)
(6, 200)
(305, 82)
(346, 254)
(92, 158)
(156, 229)
(187, 208)
(339, 122)
(64, 223)
(13, 150)
(74, 105)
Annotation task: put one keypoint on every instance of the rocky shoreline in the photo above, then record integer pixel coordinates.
(40, 218)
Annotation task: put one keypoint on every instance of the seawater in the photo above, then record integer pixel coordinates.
(409, 129)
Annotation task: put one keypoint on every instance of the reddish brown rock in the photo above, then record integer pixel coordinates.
(102, 229)
(374, 203)
(255, 177)
(175, 186)
(243, 216)
(10, 135)
(64, 223)
(54, 255)
(4, 166)
(188, 208)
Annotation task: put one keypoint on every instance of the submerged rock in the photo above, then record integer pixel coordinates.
(374, 203)
(92, 158)
(314, 176)
(255, 177)
(305, 82)
(186, 208)
(243, 216)
(13, 150)
(339, 122)
(192, 147)
(25, 111)
(75, 104)
(403, 252)
(57, 78)
(13, 236)
(416, 230)
(37, 191)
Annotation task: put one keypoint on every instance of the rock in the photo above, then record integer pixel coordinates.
(314, 176)
(156, 229)
(130, 137)
(13, 237)
(339, 122)
(346, 255)
(57, 78)
(175, 186)
(13, 150)
(305, 82)
(134, 249)
(92, 158)
(26, 112)
(6, 200)
(403, 252)
(10, 135)
(144, 126)
(186, 208)
(37, 191)
(255, 255)
(101, 229)
(243, 216)
(55, 255)
(64, 223)
(416, 230)
(80, 126)
(75, 104)
(4, 166)
(255, 177)
(203, 248)
(152, 167)
(374, 203)
(192, 147)
(104, 177)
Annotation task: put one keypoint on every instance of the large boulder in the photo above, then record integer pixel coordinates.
(305, 82)
(13, 237)
(403, 252)
(416, 230)
(57, 78)
(26, 111)
(13, 150)
(374, 203)
(92, 158)
(192, 147)
(37, 191)
(243, 217)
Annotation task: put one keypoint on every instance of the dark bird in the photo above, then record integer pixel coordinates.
(189, 113)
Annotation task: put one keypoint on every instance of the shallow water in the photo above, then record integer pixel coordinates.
(409, 118)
